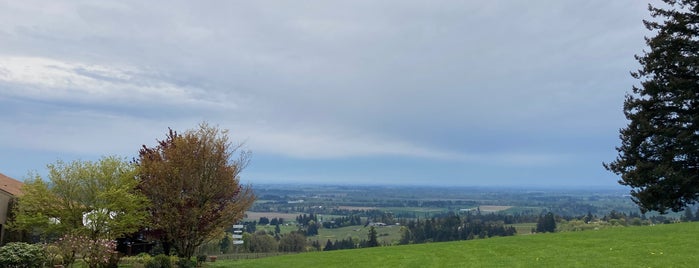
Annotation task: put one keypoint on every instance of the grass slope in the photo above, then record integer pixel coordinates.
(672, 245)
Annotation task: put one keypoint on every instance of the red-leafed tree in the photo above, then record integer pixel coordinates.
(192, 180)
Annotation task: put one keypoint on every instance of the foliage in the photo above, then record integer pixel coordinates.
(186, 263)
(659, 153)
(96, 199)
(53, 255)
(292, 242)
(347, 243)
(453, 227)
(260, 241)
(193, 184)
(665, 245)
(276, 221)
(159, 261)
(100, 253)
(546, 223)
(226, 242)
(94, 252)
(70, 246)
(22, 255)
(142, 259)
(372, 242)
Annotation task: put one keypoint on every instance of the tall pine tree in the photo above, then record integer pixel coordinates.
(659, 152)
(373, 242)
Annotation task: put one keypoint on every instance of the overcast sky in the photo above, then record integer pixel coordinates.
(498, 93)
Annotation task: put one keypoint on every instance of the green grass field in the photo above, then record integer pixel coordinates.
(672, 245)
(523, 228)
(386, 234)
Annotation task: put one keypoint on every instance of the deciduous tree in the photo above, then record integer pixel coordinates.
(192, 180)
(659, 153)
(292, 242)
(260, 241)
(96, 199)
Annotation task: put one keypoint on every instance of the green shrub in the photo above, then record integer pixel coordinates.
(22, 255)
(159, 261)
(53, 255)
(164, 260)
(152, 264)
(141, 258)
(185, 263)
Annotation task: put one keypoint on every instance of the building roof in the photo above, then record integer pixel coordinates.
(10, 185)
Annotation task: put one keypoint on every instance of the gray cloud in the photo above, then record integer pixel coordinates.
(508, 81)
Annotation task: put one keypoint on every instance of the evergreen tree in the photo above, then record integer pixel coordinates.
(589, 217)
(546, 223)
(659, 152)
(312, 228)
(373, 242)
(328, 246)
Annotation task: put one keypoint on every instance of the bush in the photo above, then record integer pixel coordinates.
(53, 255)
(100, 253)
(185, 263)
(22, 255)
(159, 261)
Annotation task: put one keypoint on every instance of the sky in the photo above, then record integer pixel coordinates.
(443, 93)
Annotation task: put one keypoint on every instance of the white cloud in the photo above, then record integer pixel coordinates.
(54, 80)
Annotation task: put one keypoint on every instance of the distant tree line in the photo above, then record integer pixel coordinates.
(342, 222)
(273, 221)
(452, 227)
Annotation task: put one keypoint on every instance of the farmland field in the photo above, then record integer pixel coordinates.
(668, 245)
(524, 228)
(386, 234)
(355, 208)
(489, 209)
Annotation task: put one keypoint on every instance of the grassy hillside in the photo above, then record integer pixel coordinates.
(672, 245)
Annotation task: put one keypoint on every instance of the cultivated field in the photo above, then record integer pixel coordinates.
(356, 208)
(670, 245)
(385, 234)
(494, 208)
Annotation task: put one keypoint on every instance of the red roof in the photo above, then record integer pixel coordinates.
(10, 185)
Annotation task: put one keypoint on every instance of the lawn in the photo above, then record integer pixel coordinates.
(672, 245)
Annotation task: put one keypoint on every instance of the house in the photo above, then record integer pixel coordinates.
(9, 190)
